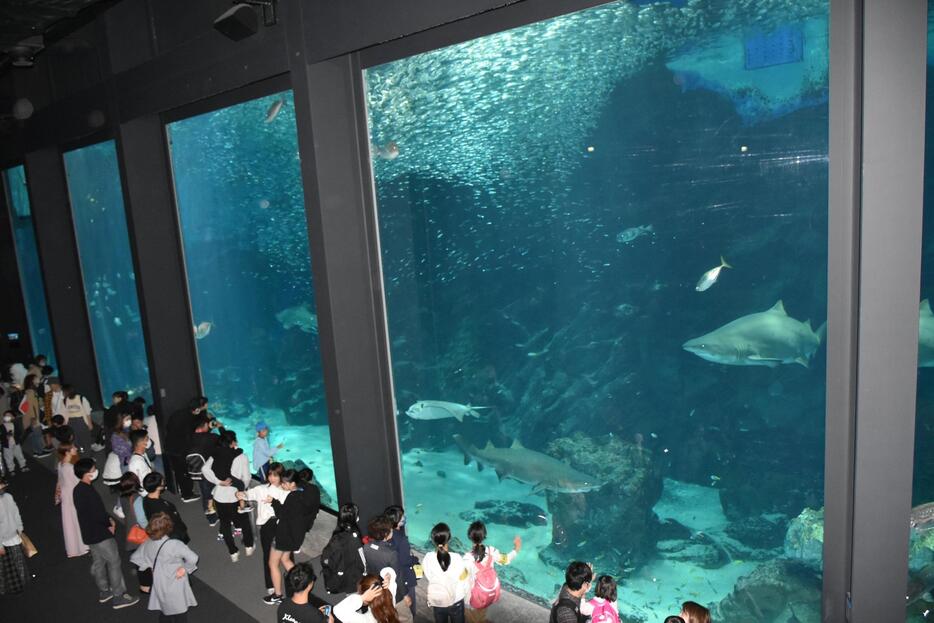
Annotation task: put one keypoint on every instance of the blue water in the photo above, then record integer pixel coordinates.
(107, 269)
(241, 211)
(548, 200)
(30, 268)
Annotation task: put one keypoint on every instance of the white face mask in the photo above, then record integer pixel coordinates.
(94, 475)
(7, 418)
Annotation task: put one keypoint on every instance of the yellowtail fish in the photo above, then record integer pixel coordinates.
(710, 277)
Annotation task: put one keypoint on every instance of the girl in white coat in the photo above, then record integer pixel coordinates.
(448, 578)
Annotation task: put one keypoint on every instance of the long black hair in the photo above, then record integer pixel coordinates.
(347, 518)
(441, 536)
(477, 534)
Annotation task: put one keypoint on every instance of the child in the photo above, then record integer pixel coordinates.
(602, 608)
(262, 453)
(693, 612)
(13, 559)
(486, 588)
(10, 436)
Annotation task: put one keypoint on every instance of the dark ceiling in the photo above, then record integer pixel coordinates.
(20, 20)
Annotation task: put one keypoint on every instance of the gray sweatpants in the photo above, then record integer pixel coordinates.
(15, 452)
(106, 567)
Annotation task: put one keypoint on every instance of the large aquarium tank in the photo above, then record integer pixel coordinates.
(242, 215)
(604, 240)
(27, 258)
(97, 209)
(921, 543)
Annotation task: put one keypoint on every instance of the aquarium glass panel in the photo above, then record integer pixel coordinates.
(107, 269)
(921, 543)
(242, 214)
(30, 268)
(604, 246)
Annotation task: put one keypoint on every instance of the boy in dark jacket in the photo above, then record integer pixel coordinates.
(400, 541)
(379, 553)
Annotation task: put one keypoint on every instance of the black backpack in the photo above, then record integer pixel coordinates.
(568, 604)
(341, 564)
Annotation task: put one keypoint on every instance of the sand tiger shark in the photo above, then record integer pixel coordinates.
(766, 338)
(519, 463)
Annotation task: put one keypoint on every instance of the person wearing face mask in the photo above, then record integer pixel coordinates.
(97, 531)
(12, 558)
(9, 440)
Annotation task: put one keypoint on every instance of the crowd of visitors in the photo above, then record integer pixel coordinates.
(373, 577)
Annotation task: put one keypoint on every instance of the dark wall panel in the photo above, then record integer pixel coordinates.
(130, 38)
(55, 235)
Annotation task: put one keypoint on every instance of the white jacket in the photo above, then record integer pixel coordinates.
(346, 610)
(139, 464)
(446, 588)
(240, 468)
(11, 524)
(264, 511)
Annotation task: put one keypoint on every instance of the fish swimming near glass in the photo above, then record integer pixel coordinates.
(274, 109)
(631, 234)
(710, 277)
(202, 330)
(441, 410)
(925, 335)
(768, 338)
(922, 517)
(300, 317)
(543, 472)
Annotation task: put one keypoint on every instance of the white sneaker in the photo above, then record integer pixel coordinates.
(235, 557)
(249, 551)
(119, 512)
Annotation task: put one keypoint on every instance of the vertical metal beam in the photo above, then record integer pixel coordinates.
(340, 207)
(161, 282)
(893, 92)
(842, 300)
(58, 250)
(13, 314)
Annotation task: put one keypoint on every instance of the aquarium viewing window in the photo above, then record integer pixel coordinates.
(604, 242)
(30, 268)
(241, 209)
(107, 269)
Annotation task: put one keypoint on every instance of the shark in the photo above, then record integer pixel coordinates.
(300, 316)
(767, 338)
(925, 335)
(543, 472)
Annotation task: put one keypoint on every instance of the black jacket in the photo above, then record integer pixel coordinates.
(180, 428)
(382, 554)
(204, 444)
(93, 519)
(290, 525)
(311, 501)
(151, 506)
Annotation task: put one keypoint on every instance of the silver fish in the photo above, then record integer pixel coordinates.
(710, 277)
(274, 110)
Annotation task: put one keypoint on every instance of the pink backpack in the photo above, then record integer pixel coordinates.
(486, 589)
(603, 612)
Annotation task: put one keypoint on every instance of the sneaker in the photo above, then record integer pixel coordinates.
(272, 600)
(245, 509)
(41, 455)
(235, 557)
(190, 498)
(119, 512)
(24, 468)
(96, 447)
(124, 601)
(104, 597)
(249, 550)
(212, 522)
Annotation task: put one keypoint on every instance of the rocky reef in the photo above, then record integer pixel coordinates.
(774, 592)
(618, 516)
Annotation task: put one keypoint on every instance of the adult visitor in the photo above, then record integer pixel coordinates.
(97, 531)
(374, 601)
(266, 520)
(64, 497)
(154, 503)
(577, 580)
(171, 562)
(12, 557)
(310, 494)
(132, 503)
(139, 462)
(204, 441)
(290, 532)
(399, 540)
(178, 439)
(342, 559)
(78, 416)
(231, 466)
(32, 429)
(11, 434)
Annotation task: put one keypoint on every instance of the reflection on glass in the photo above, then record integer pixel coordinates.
(603, 238)
(30, 269)
(241, 207)
(921, 544)
(107, 269)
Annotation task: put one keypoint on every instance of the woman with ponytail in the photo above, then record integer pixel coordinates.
(448, 578)
(481, 560)
(374, 601)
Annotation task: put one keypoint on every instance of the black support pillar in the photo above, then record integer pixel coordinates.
(160, 270)
(13, 312)
(55, 236)
(340, 207)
